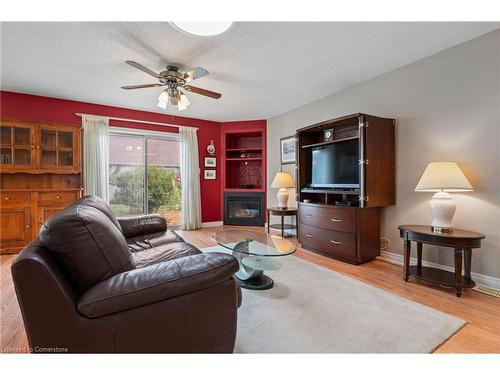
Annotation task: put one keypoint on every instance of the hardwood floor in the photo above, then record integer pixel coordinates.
(480, 335)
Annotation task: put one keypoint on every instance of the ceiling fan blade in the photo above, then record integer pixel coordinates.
(194, 74)
(132, 87)
(143, 68)
(204, 92)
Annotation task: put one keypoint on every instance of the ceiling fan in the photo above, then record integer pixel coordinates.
(175, 84)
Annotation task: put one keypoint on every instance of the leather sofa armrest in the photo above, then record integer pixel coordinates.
(136, 226)
(143, 286)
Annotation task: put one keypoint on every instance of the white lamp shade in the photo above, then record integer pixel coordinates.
(282, 180)
(445, 176)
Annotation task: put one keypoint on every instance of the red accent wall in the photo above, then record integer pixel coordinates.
(40, 108)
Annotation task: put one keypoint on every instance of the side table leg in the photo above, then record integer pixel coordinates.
(419, 255)
(467, 264)
(282, 226)
(406, 266)
(268, 221)
(458, 271)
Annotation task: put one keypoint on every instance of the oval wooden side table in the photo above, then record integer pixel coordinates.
(462, 241)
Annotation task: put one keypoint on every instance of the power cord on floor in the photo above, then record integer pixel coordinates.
(388, 243)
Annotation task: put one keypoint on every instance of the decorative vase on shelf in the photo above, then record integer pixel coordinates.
(211, 148)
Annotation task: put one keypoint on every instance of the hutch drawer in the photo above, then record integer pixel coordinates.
(14, 197)
(57, 198)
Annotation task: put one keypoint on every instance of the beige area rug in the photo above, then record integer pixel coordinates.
(312, 309)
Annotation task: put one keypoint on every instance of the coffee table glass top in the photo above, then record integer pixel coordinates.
(244, 242)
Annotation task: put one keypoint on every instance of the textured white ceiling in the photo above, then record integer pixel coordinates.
(261, 69)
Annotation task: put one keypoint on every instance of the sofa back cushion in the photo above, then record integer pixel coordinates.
(87, 243)
(101, 205)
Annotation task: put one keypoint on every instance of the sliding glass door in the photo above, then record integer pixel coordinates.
(144, 175)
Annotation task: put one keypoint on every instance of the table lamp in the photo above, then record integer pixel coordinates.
(443, 178)
(282, 181)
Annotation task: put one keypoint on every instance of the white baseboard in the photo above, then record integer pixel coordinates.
(489, 281)
(209, 224)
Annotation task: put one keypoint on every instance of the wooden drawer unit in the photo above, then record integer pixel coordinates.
(350, 234)
(62, 198)
(337, 244)
(40, 174)
(332, 218)
(14, 198)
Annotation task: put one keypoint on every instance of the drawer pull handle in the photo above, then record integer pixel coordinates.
(308, 215)
(336, 220)
(7, 198)
(309, 235)
(58, 196)
(336, 242)
(27, 225)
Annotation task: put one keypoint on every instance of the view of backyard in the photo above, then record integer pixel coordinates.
(145, 182)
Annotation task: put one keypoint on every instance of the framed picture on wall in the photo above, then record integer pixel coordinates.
(287, 150)
(210, 162)
(209, 174)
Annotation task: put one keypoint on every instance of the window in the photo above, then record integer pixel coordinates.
(144, 175)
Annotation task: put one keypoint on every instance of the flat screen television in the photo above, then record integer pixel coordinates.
(335, 165)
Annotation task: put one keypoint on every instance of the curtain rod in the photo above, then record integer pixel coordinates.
(138, 121)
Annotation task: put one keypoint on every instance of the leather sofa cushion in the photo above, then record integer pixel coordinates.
(136, 226)
(147, 241)
(164, 253)
(157, 282)
(89, 246)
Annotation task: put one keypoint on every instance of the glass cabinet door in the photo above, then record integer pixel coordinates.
(65, 148)
(56, 148)
(6, 145)
(16, 145)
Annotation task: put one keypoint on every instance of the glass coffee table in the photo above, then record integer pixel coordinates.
(254, 256)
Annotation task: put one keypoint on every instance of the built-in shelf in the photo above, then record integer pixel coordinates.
(330, 142)
(243, 149)
(329, 191)
(242, 159)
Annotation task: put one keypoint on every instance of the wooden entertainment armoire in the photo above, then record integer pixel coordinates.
(40, 173)
(345, 223)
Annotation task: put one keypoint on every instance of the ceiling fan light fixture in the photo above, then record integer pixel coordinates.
(163, 100)
(202, 28)
(183, 99)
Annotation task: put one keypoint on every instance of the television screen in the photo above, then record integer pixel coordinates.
(335, 165)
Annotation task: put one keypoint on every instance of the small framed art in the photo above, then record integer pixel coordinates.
(210, 162)
(209, 174)
(287, 150)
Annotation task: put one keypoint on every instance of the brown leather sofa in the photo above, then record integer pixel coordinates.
(92, 283)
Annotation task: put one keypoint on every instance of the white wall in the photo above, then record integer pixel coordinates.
(447, 108)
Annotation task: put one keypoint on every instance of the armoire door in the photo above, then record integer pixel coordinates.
(15, 226)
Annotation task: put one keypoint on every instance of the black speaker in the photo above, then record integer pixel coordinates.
(328, 135)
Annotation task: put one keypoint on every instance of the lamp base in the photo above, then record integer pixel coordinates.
(442, 208)
(441, 230)
(282, 198)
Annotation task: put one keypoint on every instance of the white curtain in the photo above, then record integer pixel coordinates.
(96, 155)
(190, 179)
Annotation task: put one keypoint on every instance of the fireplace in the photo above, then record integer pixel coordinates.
(244, 209)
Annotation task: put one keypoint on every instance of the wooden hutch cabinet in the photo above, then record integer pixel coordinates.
(344, 222)
(40, 173)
